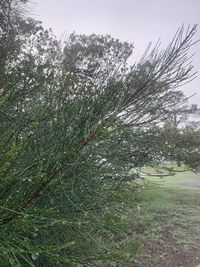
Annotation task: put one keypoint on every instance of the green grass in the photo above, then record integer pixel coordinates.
(168, 216)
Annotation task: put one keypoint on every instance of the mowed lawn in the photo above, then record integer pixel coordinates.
(166, 227)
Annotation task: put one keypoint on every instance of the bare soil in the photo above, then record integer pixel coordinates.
(195, 184)
(167, 255)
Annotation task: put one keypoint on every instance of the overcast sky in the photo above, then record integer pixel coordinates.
(137, 21)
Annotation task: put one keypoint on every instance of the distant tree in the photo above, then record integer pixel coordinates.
(181, 137)
(74, 121)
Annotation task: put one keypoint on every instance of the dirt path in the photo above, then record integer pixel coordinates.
(193, 183)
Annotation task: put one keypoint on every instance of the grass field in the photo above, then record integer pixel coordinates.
(167, 224)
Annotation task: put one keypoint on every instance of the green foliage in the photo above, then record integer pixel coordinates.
(74, 121)
(181, 138)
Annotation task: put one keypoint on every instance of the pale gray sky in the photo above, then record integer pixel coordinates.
(138, 21)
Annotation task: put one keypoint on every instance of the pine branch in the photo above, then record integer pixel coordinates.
(54, 174)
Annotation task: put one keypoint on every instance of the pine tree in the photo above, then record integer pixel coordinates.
(74, 121)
